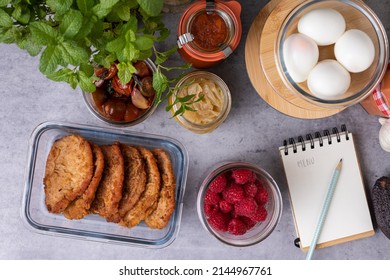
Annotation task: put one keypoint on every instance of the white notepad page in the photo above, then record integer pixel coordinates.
(309, 174)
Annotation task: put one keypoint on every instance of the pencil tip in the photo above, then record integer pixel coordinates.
(341, 160)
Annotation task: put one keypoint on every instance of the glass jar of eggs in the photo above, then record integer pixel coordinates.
(332, 53)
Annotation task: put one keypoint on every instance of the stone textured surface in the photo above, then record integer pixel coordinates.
(252, 132)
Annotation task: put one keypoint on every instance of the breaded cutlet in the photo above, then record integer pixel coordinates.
(79, 208)
(69, 169)
(109, 191)
(149, 197)
(159, 218)
(135, 178)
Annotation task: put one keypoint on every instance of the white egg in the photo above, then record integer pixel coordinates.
(328, 80)
(300, 54)
(324, 26)
(355, 50)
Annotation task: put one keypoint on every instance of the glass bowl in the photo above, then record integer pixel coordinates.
(202, 121)
(357, 15)
(259, 230)
(98, 111)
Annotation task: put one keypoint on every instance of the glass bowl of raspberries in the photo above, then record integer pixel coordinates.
(239, 203)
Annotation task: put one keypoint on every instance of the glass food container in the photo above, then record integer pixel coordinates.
(93, 104)
(357, 15)
(259, 231)
(211, 110)
(209, 31)
(93, 227)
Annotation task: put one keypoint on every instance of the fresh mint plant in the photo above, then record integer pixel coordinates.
(73, 37)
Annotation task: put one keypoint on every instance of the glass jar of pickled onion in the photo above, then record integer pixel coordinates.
(210, 103)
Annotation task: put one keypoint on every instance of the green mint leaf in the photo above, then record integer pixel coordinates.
(62, 75)
(85, 82)
(104, 8)
(28, 44)
(104, 59)
(145, 54)
(132, 24)
(122, 11)
(160, 82)
(125, 72)
(87, 69)
(71, 23)
(185, 98)
(73, 53)
(128, 53)
(163, 56)
(180, 111)
(87, 26)
(43, 33)
(164, 33)
(22, 14)
(116, 45)
(50, 59)
(85, 6)
(130, 36)
(11, 35)
(143, 43)
(151, 7)
(73, 81)
(59, 6)
(4, 3)
(5, 19)
(108, 4)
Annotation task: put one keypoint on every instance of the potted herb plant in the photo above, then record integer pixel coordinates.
(75, 37)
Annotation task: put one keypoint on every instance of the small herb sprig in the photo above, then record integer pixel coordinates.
(163, 85)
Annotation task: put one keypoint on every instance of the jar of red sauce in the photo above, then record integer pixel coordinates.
(209, 31)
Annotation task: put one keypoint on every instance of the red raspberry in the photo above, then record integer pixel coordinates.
(209, 209)
(260, 215)
(225, 206)
(211, 197)
(237, 227)
(250, 189)
(261, 196)
(219, 220)
(234, 193)
(218, 184)
(248, 222)
(259, 183)
(243, 176)
(246, 207)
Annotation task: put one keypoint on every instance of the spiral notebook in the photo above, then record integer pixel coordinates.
(309, 164)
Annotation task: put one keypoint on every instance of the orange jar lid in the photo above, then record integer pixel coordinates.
(209, 31)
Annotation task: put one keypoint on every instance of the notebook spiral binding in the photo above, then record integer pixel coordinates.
(310, 140)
